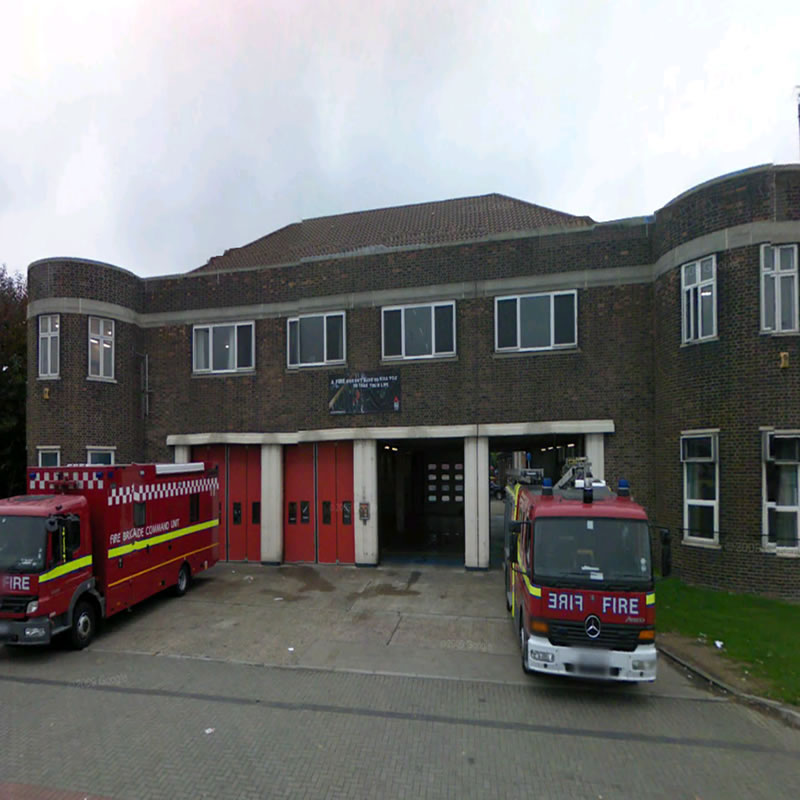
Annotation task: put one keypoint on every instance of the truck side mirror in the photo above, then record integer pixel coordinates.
(512, 546)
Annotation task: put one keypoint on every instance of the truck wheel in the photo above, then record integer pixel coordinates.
(523, 643)
(183, 581)
(84, 619)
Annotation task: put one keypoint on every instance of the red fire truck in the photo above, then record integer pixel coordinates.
(579, 578)
(89, 541)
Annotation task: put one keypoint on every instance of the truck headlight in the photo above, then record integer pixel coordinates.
(32, 607)
(36, 632)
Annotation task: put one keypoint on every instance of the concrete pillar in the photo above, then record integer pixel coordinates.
(272, 503)
(182, 453)
(476, 502)
(365, 490)
(595, 454)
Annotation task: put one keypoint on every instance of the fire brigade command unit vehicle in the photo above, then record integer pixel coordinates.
(579, 578)
(89, 541)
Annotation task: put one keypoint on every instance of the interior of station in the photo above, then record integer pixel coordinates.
(421, 491)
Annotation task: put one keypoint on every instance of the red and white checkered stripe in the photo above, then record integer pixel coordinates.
(84, 479)
(121, 495)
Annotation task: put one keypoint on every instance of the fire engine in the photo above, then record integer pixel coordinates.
(579, 578)
(89, 541)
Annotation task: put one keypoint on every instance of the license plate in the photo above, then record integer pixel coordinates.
(593, 662)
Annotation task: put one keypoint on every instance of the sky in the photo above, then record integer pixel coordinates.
(155, 134)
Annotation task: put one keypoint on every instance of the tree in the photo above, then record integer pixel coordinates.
(13, 378)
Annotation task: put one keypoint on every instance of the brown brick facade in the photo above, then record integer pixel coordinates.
(630, 365)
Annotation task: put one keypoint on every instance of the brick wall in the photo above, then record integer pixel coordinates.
(629, 366)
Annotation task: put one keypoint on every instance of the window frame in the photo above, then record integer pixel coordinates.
(49, 337)
(690, 336)
(766, 505)
(92, 449)
(326, 361)
(777, 274)
(432, 306)
(713, 434)
(518, 348)
(42, 449)
(210, 327)
(101, 338)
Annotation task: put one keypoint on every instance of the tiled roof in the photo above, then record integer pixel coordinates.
(461, 219)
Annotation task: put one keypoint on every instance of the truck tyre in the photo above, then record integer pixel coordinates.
(523, 644)
(183, 581)
(84, 619)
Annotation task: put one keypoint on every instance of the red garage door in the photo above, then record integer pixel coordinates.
(240, 498)
(318, 512)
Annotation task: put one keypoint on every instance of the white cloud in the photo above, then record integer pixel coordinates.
(155, 135)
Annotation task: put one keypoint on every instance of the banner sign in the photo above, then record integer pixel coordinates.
(365, 393)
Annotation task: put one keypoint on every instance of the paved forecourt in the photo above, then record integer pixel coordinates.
(398, 681)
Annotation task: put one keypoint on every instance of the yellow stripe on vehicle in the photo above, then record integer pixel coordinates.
(536, 591)
(65, 569)
(142, 544)
(162, 564)
(650, 599)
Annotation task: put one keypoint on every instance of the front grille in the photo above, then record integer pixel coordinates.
(14, 604)
(612, 637)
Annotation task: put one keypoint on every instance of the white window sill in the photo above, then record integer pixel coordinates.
(783, 552)
(48, 377)
(549, 351)
(97, 379)
(707, 544)
(779, 334)
(231, 374)
(695, 342)
(327, 365)
(389, 360)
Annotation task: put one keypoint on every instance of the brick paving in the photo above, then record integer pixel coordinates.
(162, 705)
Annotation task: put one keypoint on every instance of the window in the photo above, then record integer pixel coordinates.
(49, 456)
(781, 513)
(101, 348)
(425, 331)
(779, 288)
(224, 348)
(699, 287)
(536, 321)
(700, 486)
(49, 326)
(99, 455)
(315, 340)
(139, 514)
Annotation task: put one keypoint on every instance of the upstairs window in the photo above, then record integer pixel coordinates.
(419, 331)
(700, 486)
(101, 348)
(536, 321)
(315, 340)
(699, 290)
(49, 331)
(224, 348)
(781, 512)
(779, 288)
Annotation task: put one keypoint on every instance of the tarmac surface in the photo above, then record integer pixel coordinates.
(400, 681)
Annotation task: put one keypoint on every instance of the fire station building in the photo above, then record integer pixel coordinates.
(354, 376)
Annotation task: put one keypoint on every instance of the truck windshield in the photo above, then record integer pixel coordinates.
(581, 551)
(23, 543)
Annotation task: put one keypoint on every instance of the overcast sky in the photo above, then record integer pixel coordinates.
(154, 134)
